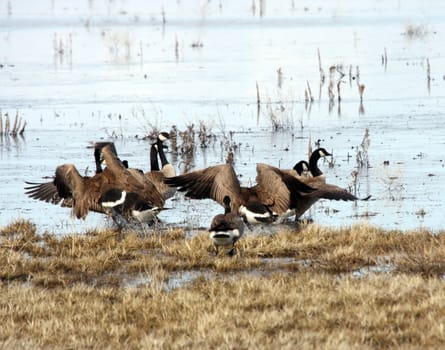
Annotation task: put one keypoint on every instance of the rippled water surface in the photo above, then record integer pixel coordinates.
(79, 72)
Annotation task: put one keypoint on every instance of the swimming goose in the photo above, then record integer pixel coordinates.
(226, 229)
(257, 204)
(83, 193)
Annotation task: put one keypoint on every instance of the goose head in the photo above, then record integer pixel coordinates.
(301, 167)
(163, 136)
(313, 160)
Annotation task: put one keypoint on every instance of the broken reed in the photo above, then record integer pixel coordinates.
(18, 127)
(185, 142)
(336, 75)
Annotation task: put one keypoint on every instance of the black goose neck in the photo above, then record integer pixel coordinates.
(154, 164)
(313, 164)
(97, 159)
(226, 202)
(161, 153)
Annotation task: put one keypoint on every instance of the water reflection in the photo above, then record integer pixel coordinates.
(93, 99)
(12, 133)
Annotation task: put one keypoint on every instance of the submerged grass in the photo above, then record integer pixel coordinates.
(314, 288)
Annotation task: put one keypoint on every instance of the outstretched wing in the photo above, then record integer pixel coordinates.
(279, 189)
(214, 182)
(46, 192)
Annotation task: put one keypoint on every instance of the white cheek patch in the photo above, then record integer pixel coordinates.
(162, 138)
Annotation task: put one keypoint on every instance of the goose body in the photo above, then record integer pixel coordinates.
(121, 203)
(257, 204)
(83, 193)
(129, 205)
(316, 179)
(226, 229)
(157, 175)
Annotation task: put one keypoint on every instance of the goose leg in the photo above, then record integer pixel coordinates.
(232, 251)
(118, 219)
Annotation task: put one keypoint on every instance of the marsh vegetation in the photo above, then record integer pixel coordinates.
(316, 287)
(239, 82)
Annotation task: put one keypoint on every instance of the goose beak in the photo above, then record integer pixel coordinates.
(327, 154)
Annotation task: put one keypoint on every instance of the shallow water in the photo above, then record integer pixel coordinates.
(79, 73)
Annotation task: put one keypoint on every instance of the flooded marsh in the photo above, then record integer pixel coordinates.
(264, 78)
(251, 81)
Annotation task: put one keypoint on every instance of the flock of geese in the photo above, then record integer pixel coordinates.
(129, 194)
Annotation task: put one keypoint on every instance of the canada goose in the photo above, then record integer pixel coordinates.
(98, 146)
(128, 205)
(83, 193)
(313, 161)
(317, 180)
(157, 175)
(226, 229)
(302, 169)
(255, 204)
(122, 203)
(297, 206)
(311, 169)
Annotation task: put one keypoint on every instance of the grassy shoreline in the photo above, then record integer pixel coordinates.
(316, 288)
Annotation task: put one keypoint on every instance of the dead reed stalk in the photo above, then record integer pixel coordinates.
(7, 124)
(384, 58)
(320, 68)
(18, 126)
(361, 90)
(174, 139)
(279, 78)
(428, 74)
(362, 156)
(311, 98)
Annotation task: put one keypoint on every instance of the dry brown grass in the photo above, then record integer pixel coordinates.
(317, 288)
